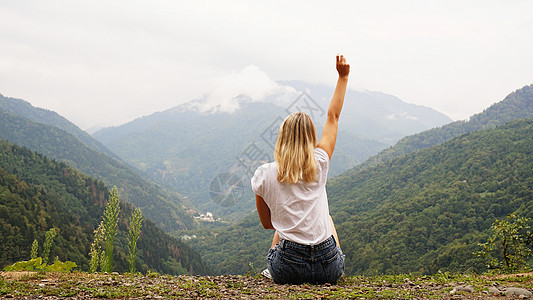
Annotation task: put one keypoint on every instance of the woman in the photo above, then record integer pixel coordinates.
(291, 197)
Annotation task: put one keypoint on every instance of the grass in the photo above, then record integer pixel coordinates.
(402, 286)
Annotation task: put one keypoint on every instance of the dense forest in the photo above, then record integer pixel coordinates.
(37, 194)
(426, 211)
(419, 213)
(517, 105)
(157, 204)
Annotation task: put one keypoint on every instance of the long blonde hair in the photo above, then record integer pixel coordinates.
(294, 151)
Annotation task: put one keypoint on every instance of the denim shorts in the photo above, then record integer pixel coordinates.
(294, 263)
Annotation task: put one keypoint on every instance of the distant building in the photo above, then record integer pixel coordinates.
(207, 217)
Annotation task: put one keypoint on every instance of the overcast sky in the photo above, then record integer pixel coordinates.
(102, 63)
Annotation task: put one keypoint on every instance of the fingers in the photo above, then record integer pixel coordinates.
(343, 68)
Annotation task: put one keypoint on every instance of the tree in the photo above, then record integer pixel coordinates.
(96, 248)
(133, 236)
(34, 249)
(111, 212)
(509, 242)
(49, 238)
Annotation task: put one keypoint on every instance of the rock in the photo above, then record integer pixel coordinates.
(462, 288)
(517, 291)
(494, 291)
(409, 282)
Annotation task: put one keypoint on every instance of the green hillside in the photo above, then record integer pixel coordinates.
(517, 105)
(37, 194)
(419, 213)
(426, 211)
(157, 204)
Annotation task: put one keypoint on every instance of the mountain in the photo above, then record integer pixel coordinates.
(90, 157)
(426, 211)
(419, 213)
(37, 194)
(517, 105)
(187, 149)
(376, 115)
(25, 110)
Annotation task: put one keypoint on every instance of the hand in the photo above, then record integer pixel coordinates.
(343, 68)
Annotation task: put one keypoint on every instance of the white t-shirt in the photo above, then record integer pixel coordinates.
(299, 211)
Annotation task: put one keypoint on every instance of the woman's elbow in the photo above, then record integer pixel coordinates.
(267, 225)
(333, 115)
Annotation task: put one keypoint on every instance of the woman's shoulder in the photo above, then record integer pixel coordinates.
(321, 154)
(263, 176)
(265, 169)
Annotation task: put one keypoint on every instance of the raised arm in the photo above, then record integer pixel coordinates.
(329, 133)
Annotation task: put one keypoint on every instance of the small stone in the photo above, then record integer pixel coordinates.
(462, 288)
(517, 291)
(494, 291)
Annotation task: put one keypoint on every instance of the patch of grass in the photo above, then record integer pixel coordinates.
(4, 288)
(516, 279)
(388, 294)
(400, 286)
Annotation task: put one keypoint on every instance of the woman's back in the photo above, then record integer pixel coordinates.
(299, 211)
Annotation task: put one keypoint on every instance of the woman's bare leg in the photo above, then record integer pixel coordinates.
(334, 232)
(275, 239)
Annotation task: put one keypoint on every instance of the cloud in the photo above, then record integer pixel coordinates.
(401, 116)
(248, 84)
(107, 62)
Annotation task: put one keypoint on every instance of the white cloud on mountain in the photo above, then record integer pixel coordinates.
(249, 83)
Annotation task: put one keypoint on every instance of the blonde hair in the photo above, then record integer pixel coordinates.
(294, 151)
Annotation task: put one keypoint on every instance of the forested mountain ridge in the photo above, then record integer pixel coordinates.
(426, 211)
(517, 105)
(420, 213)
(37, 194)
(157, 204)
(24, 109)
